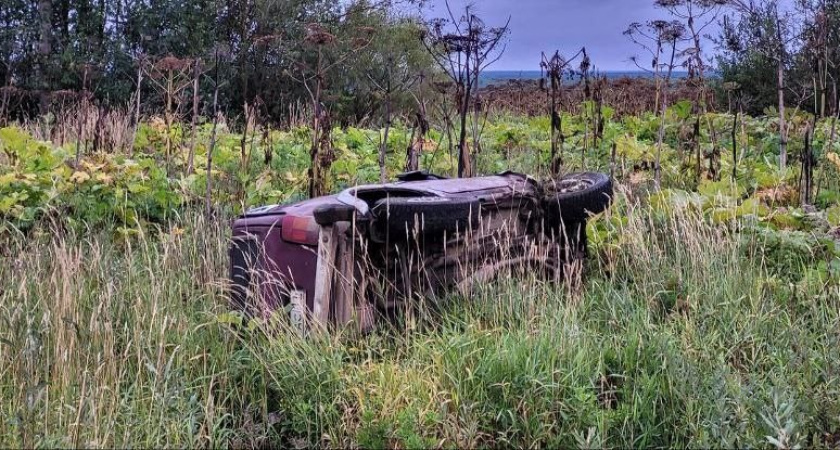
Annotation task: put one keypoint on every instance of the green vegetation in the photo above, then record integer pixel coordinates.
(708, 313)
(54, 51)
(677, 337)
(708, 316)
(40, 181)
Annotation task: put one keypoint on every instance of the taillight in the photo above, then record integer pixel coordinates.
(299, 230)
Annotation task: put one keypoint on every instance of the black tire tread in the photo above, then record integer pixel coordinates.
(577, 206)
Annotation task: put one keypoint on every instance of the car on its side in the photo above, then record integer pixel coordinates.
(364, 253)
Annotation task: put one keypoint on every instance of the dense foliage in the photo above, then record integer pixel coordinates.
(801, 35)
(39, 180)
(52, 48)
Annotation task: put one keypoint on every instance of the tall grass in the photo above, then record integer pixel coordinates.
(115, 343)
(680, 336)
(682, 333)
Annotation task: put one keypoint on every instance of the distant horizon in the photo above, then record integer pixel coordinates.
(496, 76)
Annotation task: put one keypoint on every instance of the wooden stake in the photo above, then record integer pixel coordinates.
(327, 241)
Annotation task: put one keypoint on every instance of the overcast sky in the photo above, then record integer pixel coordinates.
(567, 25)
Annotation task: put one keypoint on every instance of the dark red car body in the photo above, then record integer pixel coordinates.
(275, 249)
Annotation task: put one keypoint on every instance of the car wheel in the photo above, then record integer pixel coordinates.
(575, 197)
(429, 215)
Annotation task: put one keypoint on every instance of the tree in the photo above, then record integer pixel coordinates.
(171, 76)
(553, 69)
(419, 128)
(219, 52)
(44, 42)
(763, 33)
(393, 77)
(44, 52)
(395, 64)
(329, 53)
(15, 33)
(17, 57)
(463, 48)
(820, 50)
(659, 38)
(198, 69)
(697, 16)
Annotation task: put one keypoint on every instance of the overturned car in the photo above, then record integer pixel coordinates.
(365, 253)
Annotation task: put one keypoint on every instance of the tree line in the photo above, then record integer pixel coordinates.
(105, 46)
(336, 62)
(117, 51)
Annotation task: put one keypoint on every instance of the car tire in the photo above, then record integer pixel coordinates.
(399, 215)
(573, 198)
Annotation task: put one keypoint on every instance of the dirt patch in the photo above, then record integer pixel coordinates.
(627, 96)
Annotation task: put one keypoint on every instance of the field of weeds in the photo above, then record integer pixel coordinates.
(708, 313)
(683, 333)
